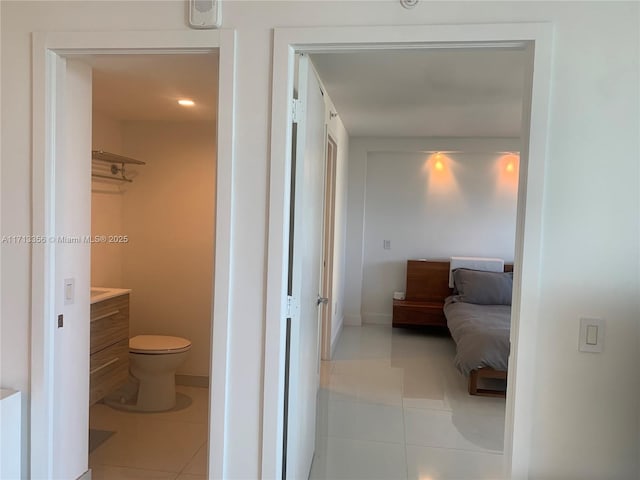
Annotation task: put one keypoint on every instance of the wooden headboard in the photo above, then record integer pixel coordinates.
(428, 280)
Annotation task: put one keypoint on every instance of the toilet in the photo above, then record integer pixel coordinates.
(153, 360)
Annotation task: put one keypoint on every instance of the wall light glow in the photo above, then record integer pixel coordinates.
(438, 170)
(438, 162)
(507, 172)
(185, 102)
(510, 162)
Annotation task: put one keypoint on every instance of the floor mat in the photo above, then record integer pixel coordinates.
(121, 402)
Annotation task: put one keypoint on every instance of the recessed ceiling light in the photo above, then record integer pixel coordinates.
(186, 103)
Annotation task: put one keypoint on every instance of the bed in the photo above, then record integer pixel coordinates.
(478, 315)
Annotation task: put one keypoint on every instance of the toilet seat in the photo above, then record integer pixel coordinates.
(158, 344)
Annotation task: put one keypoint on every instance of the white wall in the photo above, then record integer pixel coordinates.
(169, 218)
(467, 209)
(385, 269)
(168, 215)
(586, 269)
(107, 208)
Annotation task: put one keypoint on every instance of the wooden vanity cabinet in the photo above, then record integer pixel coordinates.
(109, 346)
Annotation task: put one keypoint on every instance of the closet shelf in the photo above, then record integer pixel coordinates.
(114, 158)
(118, 173)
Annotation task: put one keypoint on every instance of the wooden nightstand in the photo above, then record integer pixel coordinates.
(408, 313)
(426, 288)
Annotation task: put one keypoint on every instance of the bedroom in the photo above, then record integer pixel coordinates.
(432, 178)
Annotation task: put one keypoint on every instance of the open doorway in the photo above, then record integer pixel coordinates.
(62, 205)
(524, 106)
(153, 226)
(435, 183)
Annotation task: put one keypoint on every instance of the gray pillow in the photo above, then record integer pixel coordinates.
(483, 288)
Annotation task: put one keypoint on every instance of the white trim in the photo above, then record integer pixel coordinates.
(277, 258)
(527, 258)
(336, 338)
(42, 290)
(46, 54)
(219, 388)
(353, 320)
(86, 475)
(526, 293)
(371, 318)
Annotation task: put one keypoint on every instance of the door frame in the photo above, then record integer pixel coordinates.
(328, 244)
(537, 39)
(48, 48)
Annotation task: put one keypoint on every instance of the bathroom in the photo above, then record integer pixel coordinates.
(153, 230)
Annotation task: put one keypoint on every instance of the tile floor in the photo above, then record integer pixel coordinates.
(392, 406)
(169, 445)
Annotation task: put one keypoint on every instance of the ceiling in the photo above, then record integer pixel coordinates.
(148, 86)
(458, 92)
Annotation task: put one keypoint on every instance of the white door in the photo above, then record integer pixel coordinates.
(304, 379)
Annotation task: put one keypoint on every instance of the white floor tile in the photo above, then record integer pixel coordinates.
(106, 472)
(445, 464)
(391, 402)
(338, 459)
(460, 430)
(145, 443)
(151, 444)
(364, 421)
(198, 464)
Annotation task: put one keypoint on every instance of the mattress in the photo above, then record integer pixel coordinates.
(481, 333)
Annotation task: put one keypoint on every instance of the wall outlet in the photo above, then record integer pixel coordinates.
(386, 244)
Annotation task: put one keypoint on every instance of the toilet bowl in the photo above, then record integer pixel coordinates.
(153, 360)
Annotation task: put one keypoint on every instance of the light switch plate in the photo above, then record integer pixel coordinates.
(591, 335)
(69, 291)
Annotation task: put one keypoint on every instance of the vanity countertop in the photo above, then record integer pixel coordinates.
(99, 294)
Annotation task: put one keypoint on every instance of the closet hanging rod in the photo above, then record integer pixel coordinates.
(118, 179)
(113, 158)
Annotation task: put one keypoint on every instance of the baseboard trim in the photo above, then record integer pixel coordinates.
(336, 338)
(352, 320)
(193, 380)
(85, 476)
(377, 319)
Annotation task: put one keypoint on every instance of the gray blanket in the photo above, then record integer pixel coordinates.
(481, 333)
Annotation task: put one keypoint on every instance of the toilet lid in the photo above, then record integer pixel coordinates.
(158, 344)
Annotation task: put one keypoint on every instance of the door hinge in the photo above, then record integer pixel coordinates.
(292, 307)
(296, 110)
